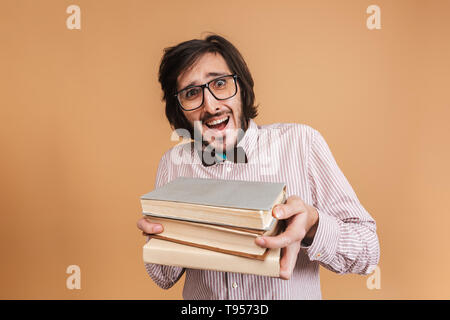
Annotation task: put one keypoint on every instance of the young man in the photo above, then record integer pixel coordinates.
(208, 91)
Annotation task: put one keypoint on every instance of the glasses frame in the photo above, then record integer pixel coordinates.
(206, 85)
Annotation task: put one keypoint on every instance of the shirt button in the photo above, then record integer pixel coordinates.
(234, 285)
(318, 255)
(228, 169)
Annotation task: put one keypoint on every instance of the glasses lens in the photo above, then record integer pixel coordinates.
(223, 88)
(191, 98)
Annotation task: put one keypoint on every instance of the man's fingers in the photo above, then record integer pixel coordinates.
(280, 241)
(288, 260)
(148, 227)
(292, 206)
(295, 232)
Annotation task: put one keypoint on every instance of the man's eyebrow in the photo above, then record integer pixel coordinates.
(210, 74)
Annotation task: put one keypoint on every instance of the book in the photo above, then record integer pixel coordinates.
(231, 240)
(236, 203)
(174, 254)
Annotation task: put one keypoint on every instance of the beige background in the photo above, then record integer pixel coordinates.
(82, 130)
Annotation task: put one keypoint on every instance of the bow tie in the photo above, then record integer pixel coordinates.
(210, 157)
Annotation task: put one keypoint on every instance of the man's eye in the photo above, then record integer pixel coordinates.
(220, 83)
(191, 93)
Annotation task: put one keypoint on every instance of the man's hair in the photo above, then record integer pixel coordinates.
(179, 58)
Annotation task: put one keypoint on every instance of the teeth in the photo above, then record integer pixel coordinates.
(213, 123)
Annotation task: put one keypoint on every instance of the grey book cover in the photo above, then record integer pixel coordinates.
(251, 195)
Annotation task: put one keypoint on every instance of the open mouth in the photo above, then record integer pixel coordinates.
(218, 124)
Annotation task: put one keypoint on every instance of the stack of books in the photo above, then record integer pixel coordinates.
(212, 224)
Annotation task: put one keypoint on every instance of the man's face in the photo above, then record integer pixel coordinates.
(221, 136)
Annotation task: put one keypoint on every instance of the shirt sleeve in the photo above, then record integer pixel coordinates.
(346, 239)
(164, 276)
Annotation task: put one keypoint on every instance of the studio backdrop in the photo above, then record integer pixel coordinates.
(83, 129)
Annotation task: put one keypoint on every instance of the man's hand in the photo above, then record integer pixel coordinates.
(149, 228)
(302, 220)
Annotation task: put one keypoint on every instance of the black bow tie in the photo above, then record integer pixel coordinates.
(209, 157)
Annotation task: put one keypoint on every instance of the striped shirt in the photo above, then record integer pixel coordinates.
(297, 155)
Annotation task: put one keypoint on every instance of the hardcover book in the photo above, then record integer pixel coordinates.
(245, 204)
(231, 240)
(174, 254)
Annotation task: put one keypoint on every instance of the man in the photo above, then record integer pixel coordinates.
(208, 91)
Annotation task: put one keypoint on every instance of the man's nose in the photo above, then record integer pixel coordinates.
(210, 104)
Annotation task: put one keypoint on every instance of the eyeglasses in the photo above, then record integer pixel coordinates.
(221, 88)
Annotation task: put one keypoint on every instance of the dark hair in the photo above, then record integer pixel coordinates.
(179, 58)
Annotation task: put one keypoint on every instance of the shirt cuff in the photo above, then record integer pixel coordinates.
(325, 242)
